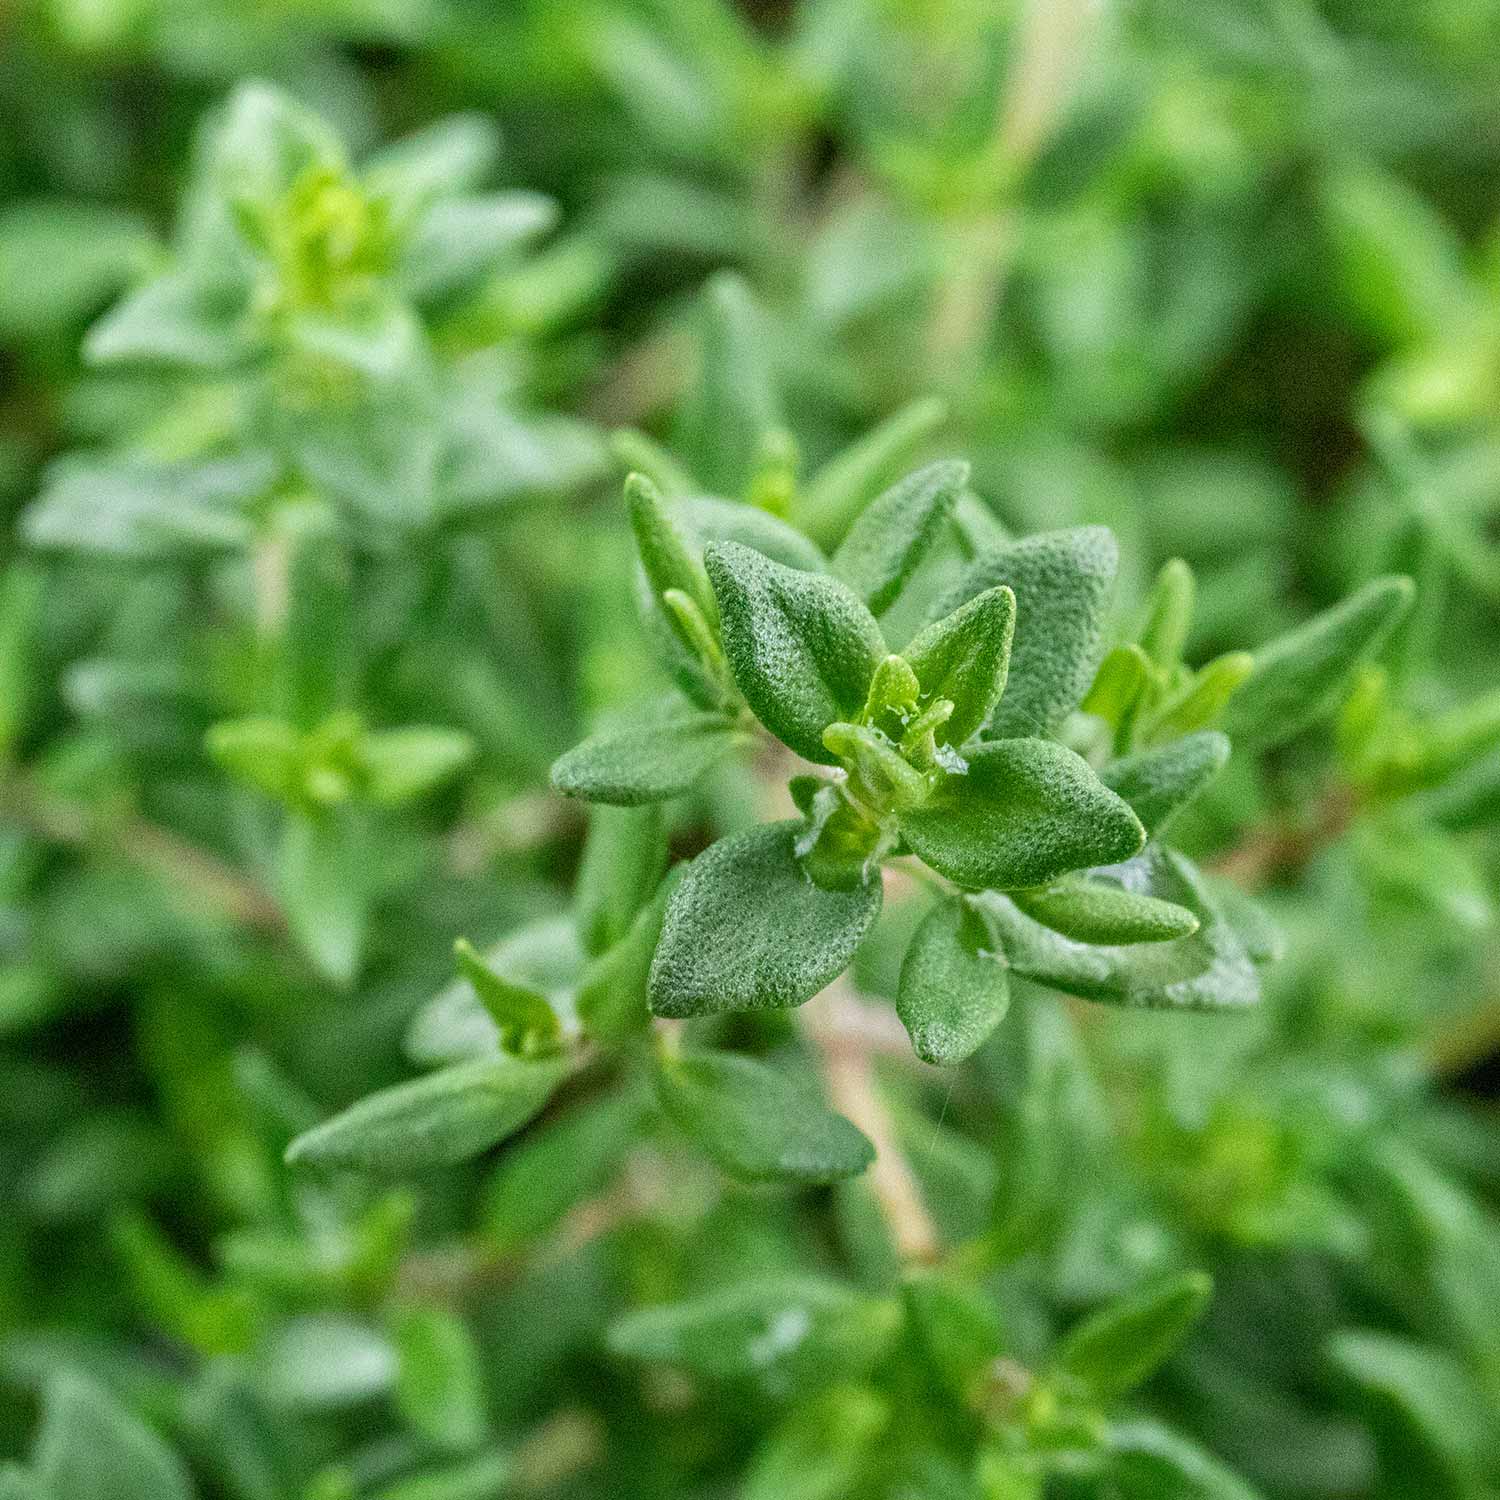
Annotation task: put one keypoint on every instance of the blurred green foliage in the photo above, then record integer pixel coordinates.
(328, 332)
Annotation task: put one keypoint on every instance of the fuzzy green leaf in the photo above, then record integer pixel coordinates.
(953, 991)
(965, 657)
(1156, 783)
(1211, 970)
(895, 531)
(90, 1447)
(646, 762)
(670, 560)
(748, 929)
(526, 1022)
(1093, 911)
(1168, 614)
(1304, 674)
(1121, 1345)
(802, 648)
(1026, 812)
(756, 1123)
(434, 1121)
(1063, 582)
(783, 1333)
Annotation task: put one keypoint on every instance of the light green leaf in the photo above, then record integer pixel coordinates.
(802, 648)
(439, 1382)
(748, 929)
(646, 762)
(1168, 614)
(1304, 674)
(527, 1024)
(479, 1478)
(957, 1329)
(1063, 582)
(17, 1484)
(263, 753)
(1118, 1347)
(819, 1449)
(1156, 783)
(1093, 911)
(670, 560)
(895, 531)
(611, 1000)
(434, 1121)
(953, 990)
(403, 764)
(90, 1447)
(784, 1334)
(756, 1123)
(1026, 812)
(835, 495)
(1211, 970)
(965, 657)
(323, 884)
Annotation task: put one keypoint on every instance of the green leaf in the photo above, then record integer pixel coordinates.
(90, 1447)
(818, 1451)
(1304, 674)
(403, 764)
(733, 406)
(323, 889)
(747, 929)
(1026, 812)
(1211, 970)
(526, 1022)
(1156, 783)
(17, 1484)
(560, 1162)
(1201, 699)
(894, 533)
(802, 648)
(669, 559)
(717, 520)
(1118, 1347)
(479, 1478)
(1063, 582)
(836, 494)
(646, 762)
(965, 657)
(434, 1121)
(756, 1123)
(439, 1382)
(1151, 1462)
(953, 991)
(957, 1330)
(261, 752)
(624, 857)
(611, 1000)
(784, 1333)
(1168, 614)
(1092, 911)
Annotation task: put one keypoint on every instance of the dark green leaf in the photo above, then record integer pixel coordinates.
(1063, 582)
(748, 929)
(1026, 812)
(1156, 783)
(433, 1121)
(646, 762)
(894, 532)
(756, 1123)
(802, 648)
(965, 657)
(953, 991)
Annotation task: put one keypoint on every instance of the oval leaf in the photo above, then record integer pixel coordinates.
(953, 992)
(1121, 1345)
(802, 648)
(434, 1121)
(965, 657)
(1156, 783)
(1027, 812)
(1094, 911)
(756, 1123)
(747, 929)
(647, 762)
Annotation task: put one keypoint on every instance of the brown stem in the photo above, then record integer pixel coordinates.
(849, 1071)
